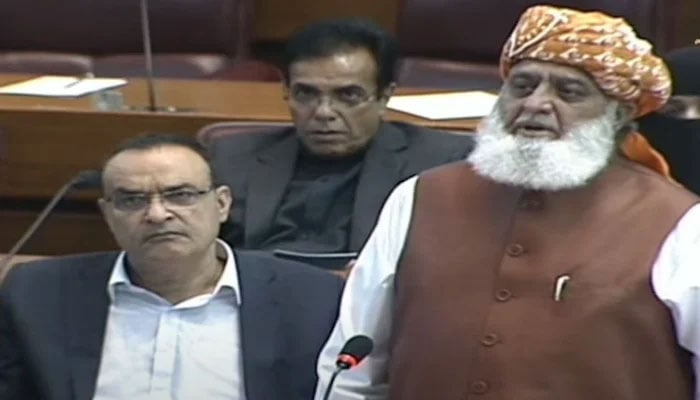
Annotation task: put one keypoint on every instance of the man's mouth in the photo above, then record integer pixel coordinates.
(165, 235)
(327, 135)
(535, 130)
(326, 132)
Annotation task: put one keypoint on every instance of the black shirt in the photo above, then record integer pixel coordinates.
(315, 214)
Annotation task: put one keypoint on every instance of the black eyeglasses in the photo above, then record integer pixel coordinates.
(171, 199)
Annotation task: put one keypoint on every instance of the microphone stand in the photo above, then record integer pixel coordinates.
(150, 75)
(84, 179)
(352, 353)
(338, 370)
(148, 54)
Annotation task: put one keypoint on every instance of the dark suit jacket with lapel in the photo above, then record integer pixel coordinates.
(259, 166)
(53, 315)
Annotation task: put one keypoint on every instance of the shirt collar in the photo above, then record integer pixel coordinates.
(229, 277)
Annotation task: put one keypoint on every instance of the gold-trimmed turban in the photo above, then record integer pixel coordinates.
(607, 48)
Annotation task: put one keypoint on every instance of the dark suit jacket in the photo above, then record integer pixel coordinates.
(53, 315)
(259, 166)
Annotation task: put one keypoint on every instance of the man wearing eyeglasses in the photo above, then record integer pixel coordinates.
(176, 315)
(319, 185)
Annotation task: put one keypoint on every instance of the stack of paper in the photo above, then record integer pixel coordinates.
(60, 86)
(451, 105)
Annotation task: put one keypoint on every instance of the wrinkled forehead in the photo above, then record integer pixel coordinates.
(155, 169)
(345, 68)
(544, 70)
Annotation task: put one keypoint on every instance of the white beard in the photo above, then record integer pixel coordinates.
(540, 163)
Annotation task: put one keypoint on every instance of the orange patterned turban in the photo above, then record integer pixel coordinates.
(607, 48)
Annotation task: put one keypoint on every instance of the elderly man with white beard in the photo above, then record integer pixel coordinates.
(547, 266)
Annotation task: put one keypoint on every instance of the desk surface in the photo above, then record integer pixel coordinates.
(46, 141)
(232, 100)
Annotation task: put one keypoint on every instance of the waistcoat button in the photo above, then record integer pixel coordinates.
(479, 387)
(503, 295)
(515, 250)
(489, 339)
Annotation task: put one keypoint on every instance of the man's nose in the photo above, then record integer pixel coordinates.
(325, 110)
(156, 211)
(541, 101)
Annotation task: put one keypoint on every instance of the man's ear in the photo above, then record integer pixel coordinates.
(624, 118)
(384, 96)
(224, 200)
(626, 111)
(102, 204)
(285, 89)
(387, 92)
(106, 215)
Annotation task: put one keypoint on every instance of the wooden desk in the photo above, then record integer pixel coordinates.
(46, 141)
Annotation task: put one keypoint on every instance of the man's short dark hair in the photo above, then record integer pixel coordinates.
(326, 38)
(153, 140)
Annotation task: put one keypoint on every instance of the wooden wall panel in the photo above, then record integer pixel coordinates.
(277, 19)
(690, 24)
(61, 233)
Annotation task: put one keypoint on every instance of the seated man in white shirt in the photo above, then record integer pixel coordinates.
(177, 314)
(548, 265)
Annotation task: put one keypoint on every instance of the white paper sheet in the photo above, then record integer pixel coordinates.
(450, 105)
(60, 86)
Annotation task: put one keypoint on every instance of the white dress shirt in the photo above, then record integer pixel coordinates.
(154, 350)
(367, 302)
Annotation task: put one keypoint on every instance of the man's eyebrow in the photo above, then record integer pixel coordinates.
(567, 80)
(178, 187)
(122, 190)
(526, 75)
(352, 86)
(304, 86)
(166, 189)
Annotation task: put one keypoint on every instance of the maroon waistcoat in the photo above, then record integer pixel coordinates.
(475, 312)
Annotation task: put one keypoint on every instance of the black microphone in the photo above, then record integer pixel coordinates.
(88, 179)
(84, 180)
(352, 353)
